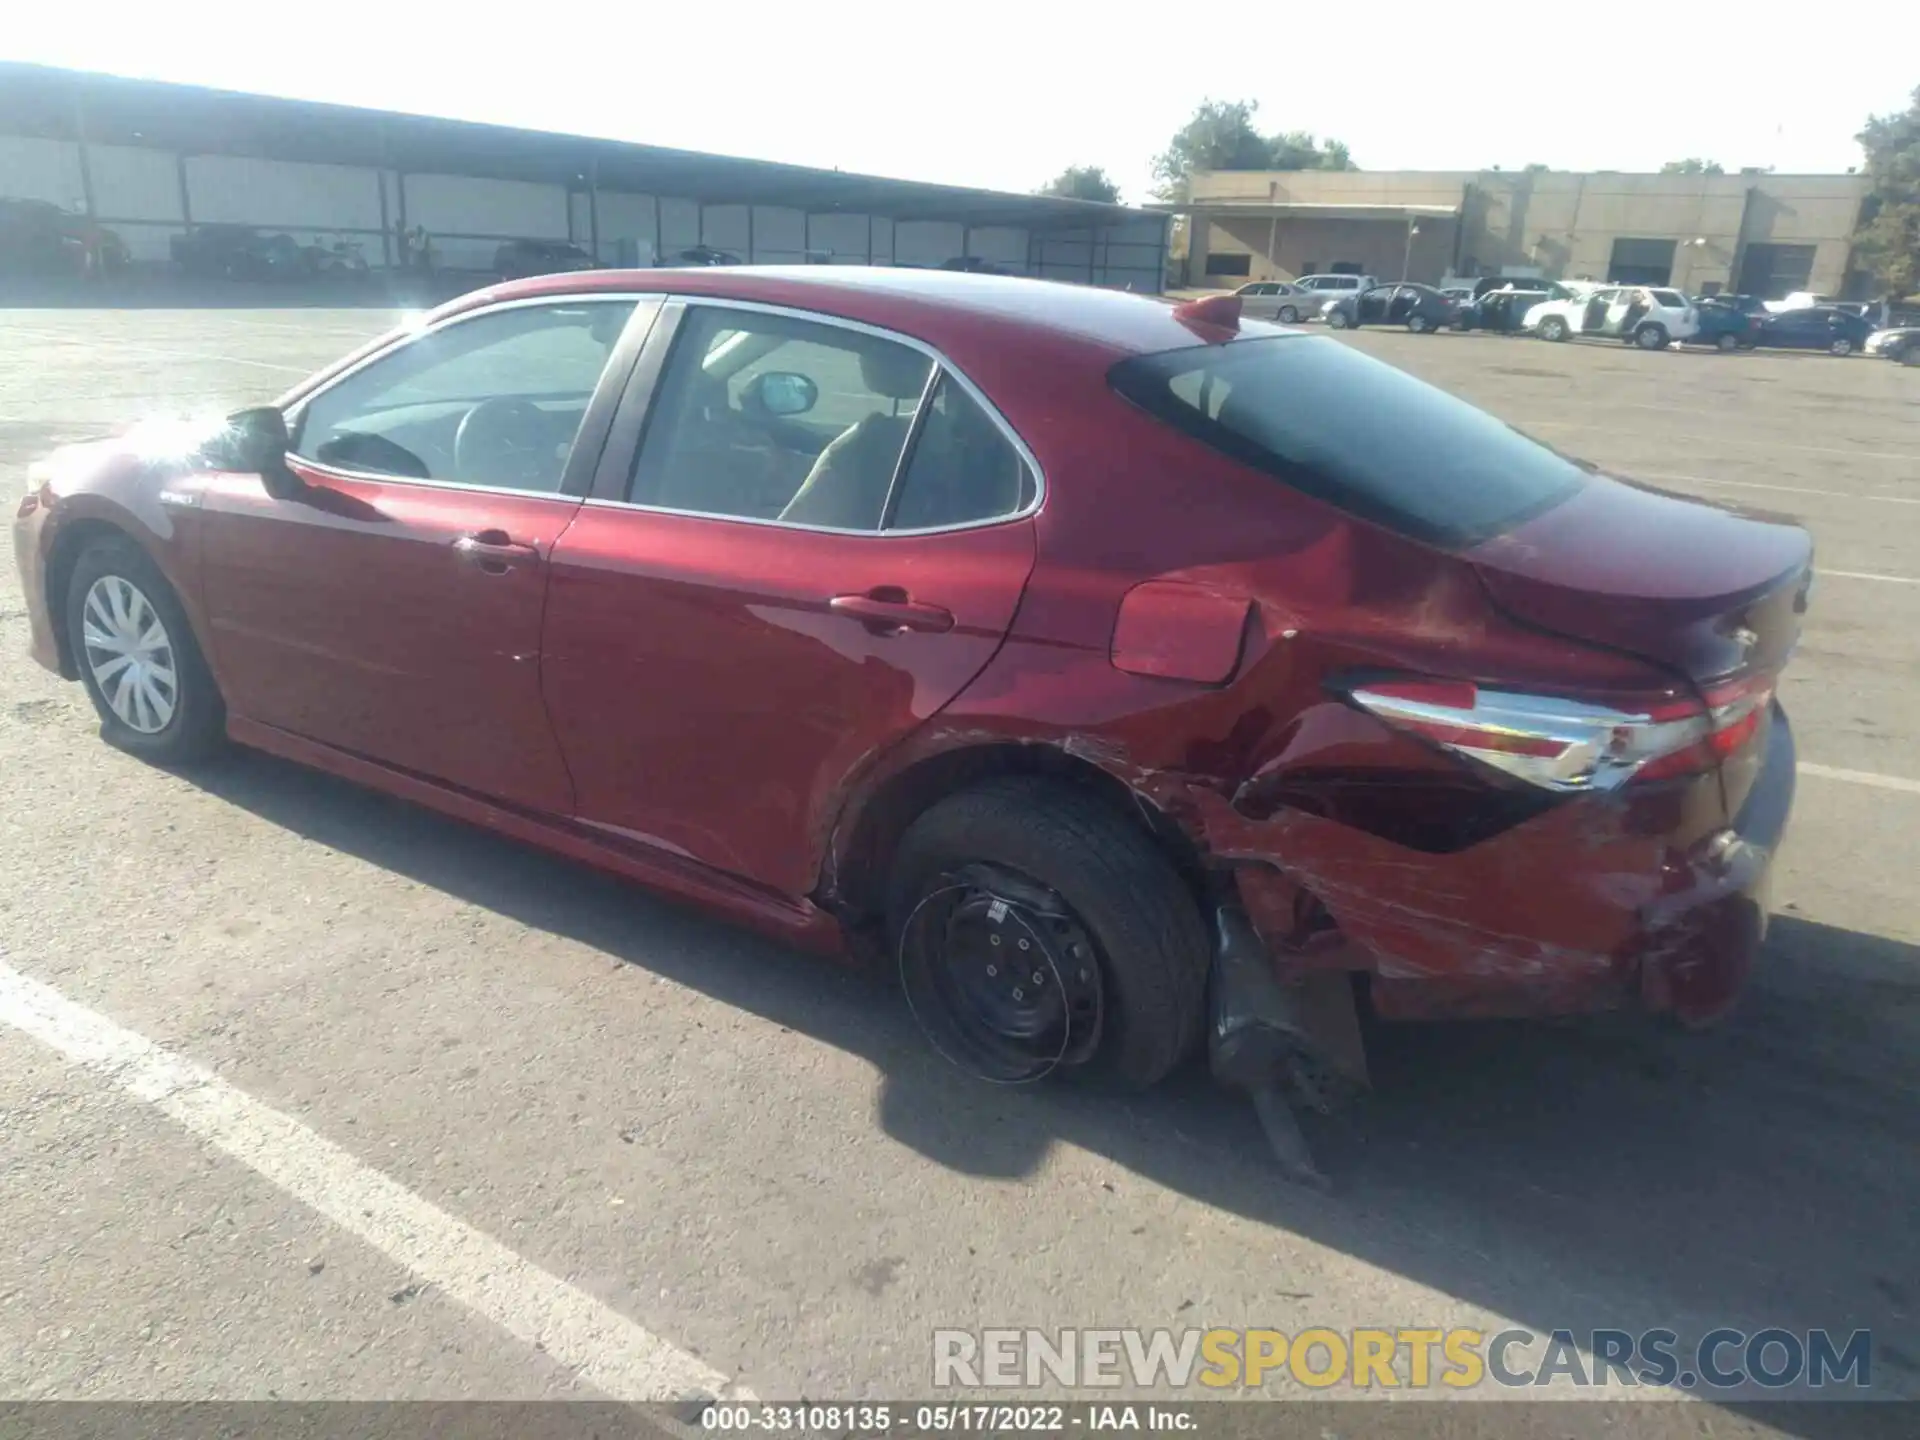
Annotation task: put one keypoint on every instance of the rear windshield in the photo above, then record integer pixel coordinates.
(1338, 425)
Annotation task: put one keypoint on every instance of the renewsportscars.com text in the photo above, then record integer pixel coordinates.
(1413, 1358)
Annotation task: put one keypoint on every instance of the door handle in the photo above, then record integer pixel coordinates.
(887, 610)
(495, 551)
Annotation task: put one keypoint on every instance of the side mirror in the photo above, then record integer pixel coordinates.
(782, 393)
(255, 442)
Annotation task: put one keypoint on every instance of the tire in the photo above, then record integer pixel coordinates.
(128, 596)
(1337, 320)
(1553, 328)
(1910, 355)
(1151, 944)
(1651, 337)
(1289, 315)
(1727, 344)
(1419, 325)
(1840, 348)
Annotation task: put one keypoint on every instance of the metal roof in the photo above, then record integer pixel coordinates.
(54, 103)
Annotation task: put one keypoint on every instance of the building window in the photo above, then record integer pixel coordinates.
(1218, 264)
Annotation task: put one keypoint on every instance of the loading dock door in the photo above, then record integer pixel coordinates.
(1774, 272)
(1641, 262)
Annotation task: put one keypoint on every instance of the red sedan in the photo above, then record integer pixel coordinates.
(1084, 654)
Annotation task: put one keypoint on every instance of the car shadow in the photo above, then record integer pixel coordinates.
(1598, 1174)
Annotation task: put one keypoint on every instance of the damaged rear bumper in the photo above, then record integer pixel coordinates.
(1593, 906)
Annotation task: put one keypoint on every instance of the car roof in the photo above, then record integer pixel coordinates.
(929, 304)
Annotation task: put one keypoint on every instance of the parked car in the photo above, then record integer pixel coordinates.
(703, 255)
(239, 252)
(1421, 308)
(1901, 345)
(39, 238)
(1322, 289)
(1724, 325)
(517, 259)
(1278, 300)
(1009, 694)
(338, 260)
(1651, 317)
(1501, 303)
(1816, 327)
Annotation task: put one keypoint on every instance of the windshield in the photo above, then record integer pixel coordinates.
(1338, 425)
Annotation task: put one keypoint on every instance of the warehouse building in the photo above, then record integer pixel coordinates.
(150, 161)
(1757, 234)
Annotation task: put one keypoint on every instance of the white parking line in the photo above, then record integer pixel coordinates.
(1902, 455)
(129, 348)
(606, 1349)
(1757, 485)
(1861, 777)
(1864, 575)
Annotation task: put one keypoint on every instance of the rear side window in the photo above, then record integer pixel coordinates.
(1342, 427)
(1668, 299)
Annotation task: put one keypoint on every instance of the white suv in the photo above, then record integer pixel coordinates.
(1650, 316)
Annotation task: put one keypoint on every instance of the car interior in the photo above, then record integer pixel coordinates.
(495, 401)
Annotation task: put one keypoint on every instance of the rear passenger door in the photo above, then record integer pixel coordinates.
(731, 633)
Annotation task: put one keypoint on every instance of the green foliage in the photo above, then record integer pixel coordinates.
(1692, 166)
(1888, 240)
(1083, 182)
(1222, 136)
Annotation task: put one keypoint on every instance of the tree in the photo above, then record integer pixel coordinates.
(1887, 243)
(1692, 166)
(1222, 136)
(1083, 182)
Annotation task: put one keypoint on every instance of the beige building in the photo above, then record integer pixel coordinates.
(1758, 234)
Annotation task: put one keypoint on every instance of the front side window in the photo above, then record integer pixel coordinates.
(770, 417)
(1307, 410)
(493, 401)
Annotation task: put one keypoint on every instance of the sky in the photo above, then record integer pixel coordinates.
(1005, 95)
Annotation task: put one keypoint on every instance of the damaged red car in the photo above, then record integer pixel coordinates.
(1107, 664)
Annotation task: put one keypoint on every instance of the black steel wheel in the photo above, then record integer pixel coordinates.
(1038, 930)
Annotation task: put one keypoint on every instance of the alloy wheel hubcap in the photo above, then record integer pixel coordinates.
(130, 654)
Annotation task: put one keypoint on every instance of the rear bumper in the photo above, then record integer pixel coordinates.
(30, 555)
(1594, 905)
(1701, 944)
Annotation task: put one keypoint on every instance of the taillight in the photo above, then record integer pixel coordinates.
(1573, 745)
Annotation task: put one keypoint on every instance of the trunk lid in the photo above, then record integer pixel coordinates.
(1707, 591)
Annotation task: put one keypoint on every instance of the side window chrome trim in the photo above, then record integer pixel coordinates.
(374, 477)
(941, 366)
(1010, 518)
(296, 411)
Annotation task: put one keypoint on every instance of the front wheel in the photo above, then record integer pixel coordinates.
(1039, 930)
(1337, 320)
(1553, 328)
(1651, 337)
(1841, 347)
(137, 657)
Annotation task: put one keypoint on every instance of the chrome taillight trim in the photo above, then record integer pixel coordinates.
(1600, 747)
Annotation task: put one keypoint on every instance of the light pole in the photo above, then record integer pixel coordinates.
(1406, 259)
